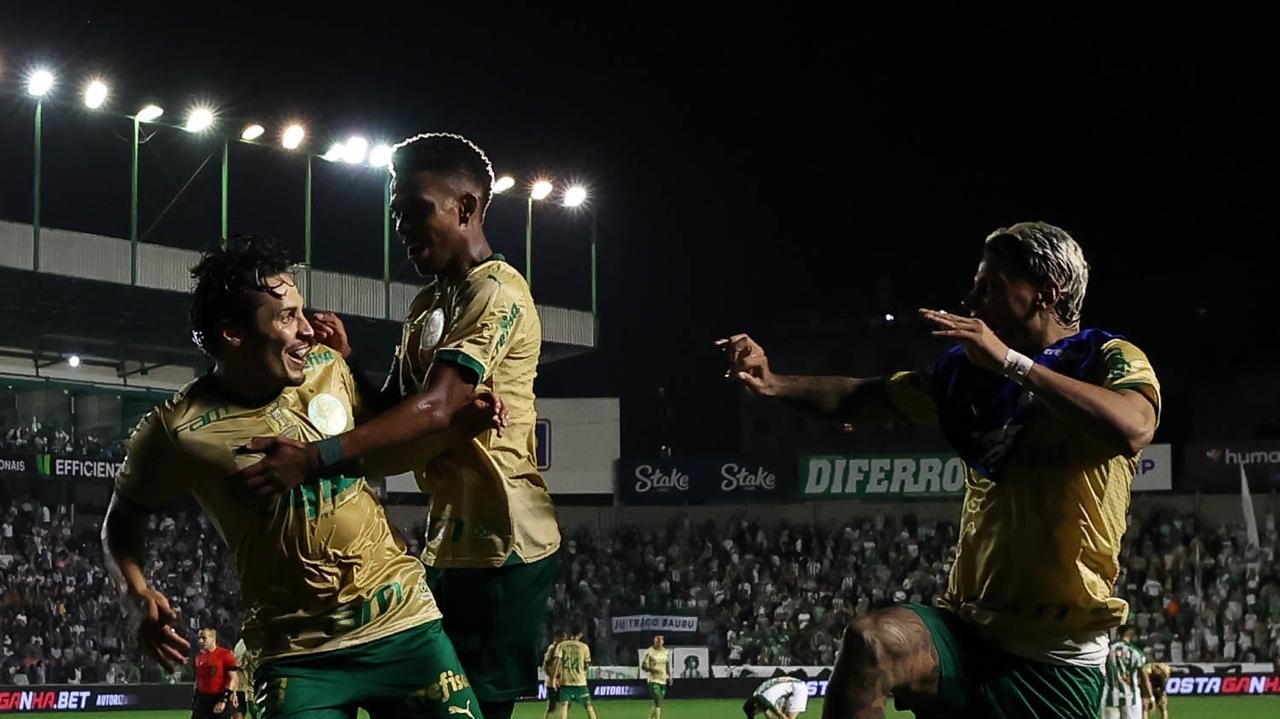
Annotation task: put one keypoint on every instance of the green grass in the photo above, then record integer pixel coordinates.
(1184, 708)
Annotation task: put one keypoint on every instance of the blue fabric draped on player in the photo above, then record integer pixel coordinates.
(981, 412)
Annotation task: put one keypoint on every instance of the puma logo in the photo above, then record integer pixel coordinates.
(460, 710)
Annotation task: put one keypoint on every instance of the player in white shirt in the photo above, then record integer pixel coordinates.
(779, 698)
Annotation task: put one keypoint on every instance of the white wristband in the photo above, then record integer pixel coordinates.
(1016, 365)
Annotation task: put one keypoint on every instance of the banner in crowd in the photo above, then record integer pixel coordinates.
(697, 480)
(66, 467)
(900, 476)
(1214, 467)
(576, 446)
(14, 464)
(94, 698)
(1155, 469)
(659, 623)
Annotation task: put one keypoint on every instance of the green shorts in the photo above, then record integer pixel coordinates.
(977, 679)
(658, 692)
(496, 619)
(575, 695)
(413, 673)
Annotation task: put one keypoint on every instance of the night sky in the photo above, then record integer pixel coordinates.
(750, 168)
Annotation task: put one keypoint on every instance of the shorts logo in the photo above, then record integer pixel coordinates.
(327, 413)
(449, 683)
(460, 710)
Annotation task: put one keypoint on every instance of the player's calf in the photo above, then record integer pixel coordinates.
(884, 653)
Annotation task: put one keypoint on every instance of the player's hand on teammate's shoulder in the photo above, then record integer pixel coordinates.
(484, 412)
(748, 364)
(153, 616)
(285, 464)
(980, 343)
(331, 332)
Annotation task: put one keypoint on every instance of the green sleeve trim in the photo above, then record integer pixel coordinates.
(465, 361)
(1130, 385)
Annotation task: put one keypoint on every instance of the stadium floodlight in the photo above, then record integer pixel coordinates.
(889, 318)
(199, 119)
(74, 360)
(380, 156)
(502, 184)
(541, 189)
(40, 83)
(575, 196)
(150, 113)
(293, 136)
(95, 94)
(355, 150)
(336, 151)
(253, 132)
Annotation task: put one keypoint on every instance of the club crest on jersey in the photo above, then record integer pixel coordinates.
(327, 413)
(432, 330)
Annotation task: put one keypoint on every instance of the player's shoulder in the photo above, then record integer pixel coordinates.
(495, 275)
(194, 405)
(1120, 346)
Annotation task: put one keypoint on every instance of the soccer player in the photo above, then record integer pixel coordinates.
(780, 698)
(492, 532)
(215, 675)
(242, 685)
(656, 663)
(1158, 675)
(337, 616)
(549, 668)
(1127, 691)
(572, 659)
(1049, 419)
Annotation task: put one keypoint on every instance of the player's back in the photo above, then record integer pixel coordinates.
(778, 689)
(574, 657)
(319, 568)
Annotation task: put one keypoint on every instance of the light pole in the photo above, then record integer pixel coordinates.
(38, 85)
(540, 190)
(150, 113)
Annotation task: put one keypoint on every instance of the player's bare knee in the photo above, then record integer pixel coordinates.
(894, 644)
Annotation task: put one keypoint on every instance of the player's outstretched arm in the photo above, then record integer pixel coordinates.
(848, 399)
(123, 546)
(449, 395)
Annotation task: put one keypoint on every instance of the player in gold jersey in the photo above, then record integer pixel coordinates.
(572, 660)
(492, 532)
(656, 665)
(337, 616)
(1049, 420)
(549, 668)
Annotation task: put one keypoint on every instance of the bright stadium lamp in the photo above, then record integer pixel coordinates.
(380, 156)
(150, 113)
(355, 151)
(293, 137)
(40, 83)
(253, 132)
(95, 94)
(575, 196)
(336, 151)
(504, 183)
(541, 189)
(199, 120)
